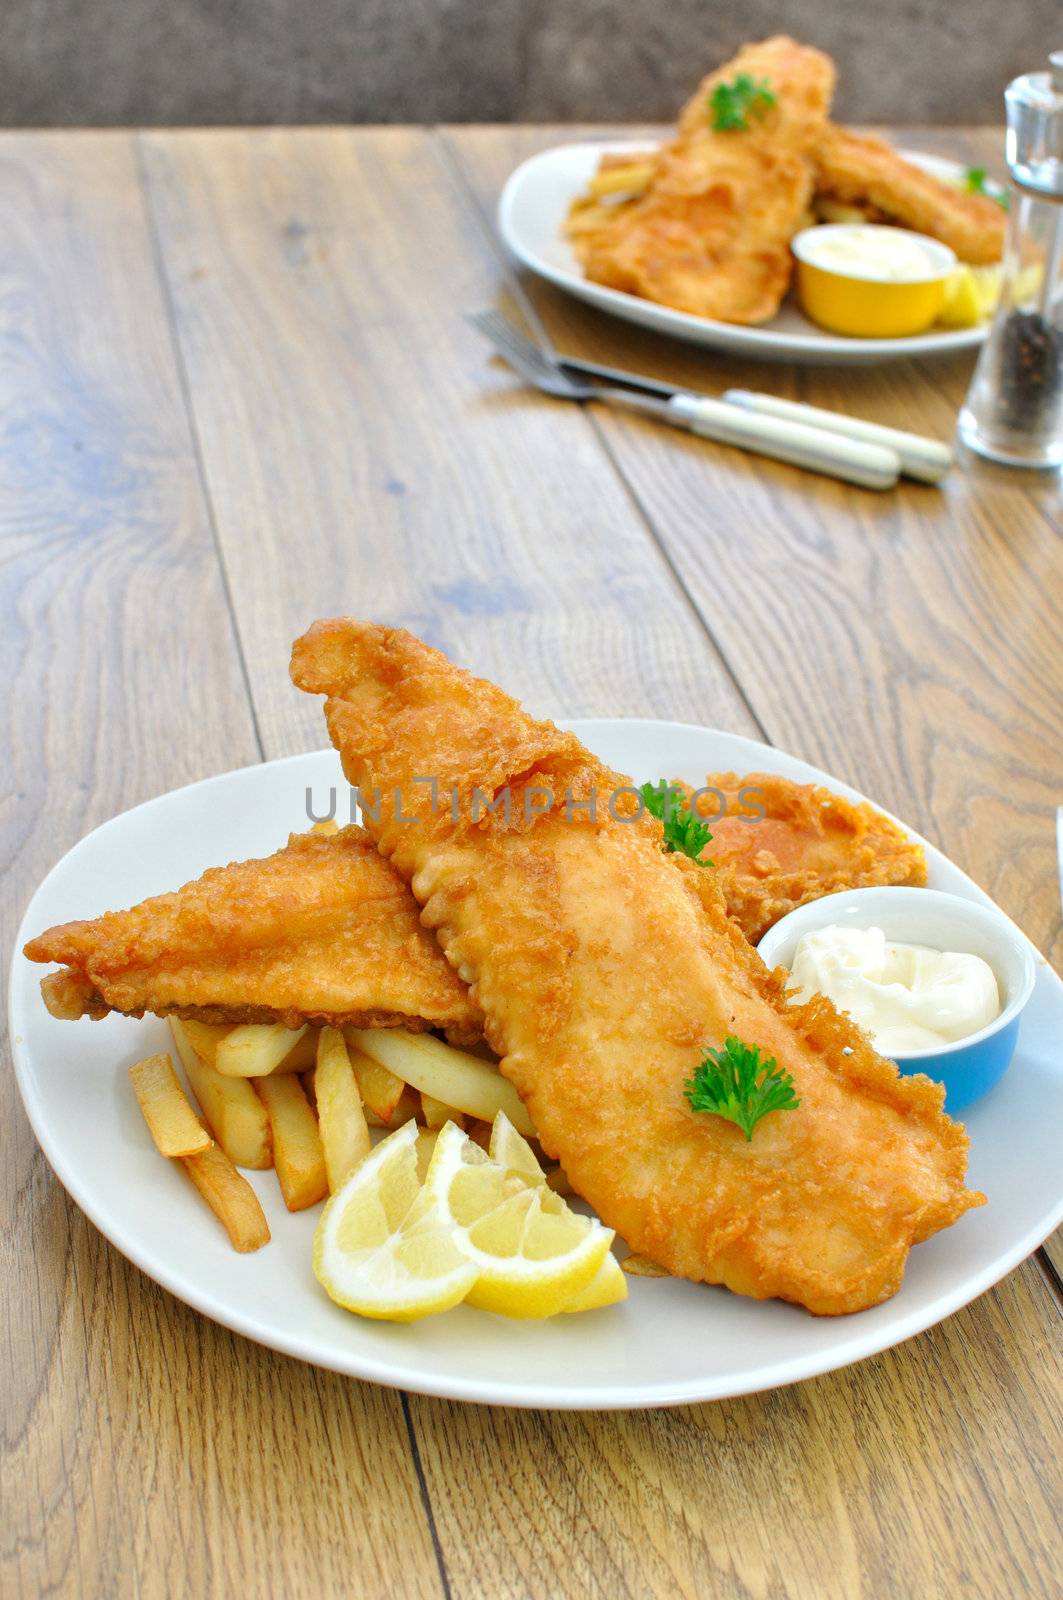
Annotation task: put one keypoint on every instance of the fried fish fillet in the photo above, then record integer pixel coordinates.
(605, 969)
(711, 232)
(859, 170)
(806, 842)
(316, 933)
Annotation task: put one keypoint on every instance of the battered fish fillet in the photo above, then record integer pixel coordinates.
(604, 969)
(807, 843)
(320, 932)
(859, 170)
(711, 233)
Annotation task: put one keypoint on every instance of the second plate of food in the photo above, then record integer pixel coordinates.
(531, 216)
(670, 1341)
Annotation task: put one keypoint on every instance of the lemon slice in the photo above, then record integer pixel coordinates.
(510, 1150)
(606, 1288)
(533, 1255)
(382, 1248)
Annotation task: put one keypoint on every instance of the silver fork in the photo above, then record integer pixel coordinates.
(870, 466)
(498, 328)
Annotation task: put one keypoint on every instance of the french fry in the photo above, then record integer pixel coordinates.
(425, 1149)
(480, 1133)
(229, 1196)
(303, 1054)
(67, 995)
(458, 1079)
(341, 1120)
(380, 1088)
(437, 1113)
(234, 1113)
(642, 1267)
(408, 1108)
(255, 1049)
(172, 1123)
(297, 1153)
(204, 1038)
(632, 179)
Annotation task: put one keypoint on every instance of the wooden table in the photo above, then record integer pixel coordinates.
(237, 393)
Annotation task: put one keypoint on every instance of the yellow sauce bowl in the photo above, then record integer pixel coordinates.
(843, 301)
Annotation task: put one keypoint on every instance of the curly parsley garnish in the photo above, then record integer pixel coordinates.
(732, 104)
(684, 832)
(974, 180)
(735, 1083)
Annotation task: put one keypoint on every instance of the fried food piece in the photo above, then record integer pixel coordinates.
(320, 932)
(605, 969)
(859, 170)
(808, 843)
(711, 232)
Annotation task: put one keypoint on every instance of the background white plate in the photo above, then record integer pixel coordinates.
(671, 1341)
(531, 212)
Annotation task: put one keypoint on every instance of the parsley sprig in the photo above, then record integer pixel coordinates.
(735, 1083)
(684, 832)
(975, 182)
(732, 104)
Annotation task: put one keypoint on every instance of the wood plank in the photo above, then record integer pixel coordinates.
(301, 292)
(908, 642)
(146, 1450)
(894, 1477)
(364, 456)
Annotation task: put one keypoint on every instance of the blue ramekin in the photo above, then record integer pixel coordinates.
(970, 1067)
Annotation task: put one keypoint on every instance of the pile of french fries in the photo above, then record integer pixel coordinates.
(304, 1102)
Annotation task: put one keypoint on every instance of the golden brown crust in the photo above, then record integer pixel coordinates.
(858, 169)
(321, 931)
(806, 842)
(604, 969)
(711, 233)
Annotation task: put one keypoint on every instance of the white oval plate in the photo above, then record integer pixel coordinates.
(672, 1341)
(531, 213)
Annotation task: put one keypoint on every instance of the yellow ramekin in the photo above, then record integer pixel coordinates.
(866, 307)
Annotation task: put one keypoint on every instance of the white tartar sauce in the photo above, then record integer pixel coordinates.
(887, 255)
(906, 996)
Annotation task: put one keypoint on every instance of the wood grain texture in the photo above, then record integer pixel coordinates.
(364, 456)
(357, 452)
(144, 1450)
(911, 642)
(266, 337)
(890, 1478)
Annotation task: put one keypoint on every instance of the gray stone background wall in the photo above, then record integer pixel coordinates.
(163, 62)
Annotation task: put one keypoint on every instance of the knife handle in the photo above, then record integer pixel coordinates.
(872, 466)
(925, 459)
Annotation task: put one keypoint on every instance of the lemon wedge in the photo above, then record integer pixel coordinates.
(382, 1248)
(972, 295)
(533, 1255)
(511, 1151)
(431, 1219)
(606, 1288)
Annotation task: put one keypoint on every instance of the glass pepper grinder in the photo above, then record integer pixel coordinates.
(1014, 408)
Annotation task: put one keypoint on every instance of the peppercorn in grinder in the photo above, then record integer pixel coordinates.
(1014, 408)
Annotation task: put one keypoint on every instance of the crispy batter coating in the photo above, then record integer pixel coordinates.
(711, 233)
(320, 932)
(857, 169)
(604, 969)
(808, 843)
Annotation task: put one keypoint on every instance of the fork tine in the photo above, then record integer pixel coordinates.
(510, 341)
